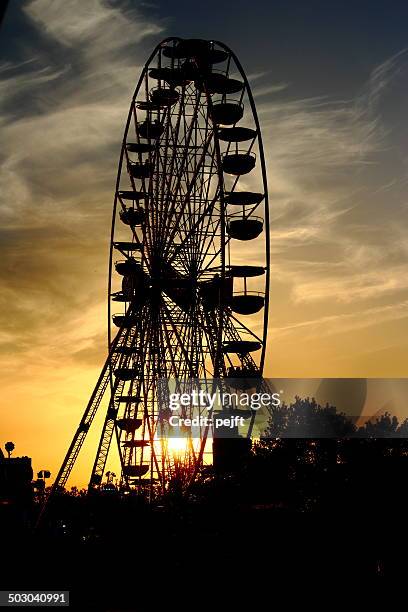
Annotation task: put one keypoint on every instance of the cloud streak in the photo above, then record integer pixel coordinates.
(62, 116)
(338, 218)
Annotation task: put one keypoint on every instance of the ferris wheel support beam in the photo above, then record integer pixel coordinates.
(84, 425)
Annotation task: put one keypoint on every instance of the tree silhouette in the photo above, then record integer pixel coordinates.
(305, 418)
(385, 426)
(9, 446)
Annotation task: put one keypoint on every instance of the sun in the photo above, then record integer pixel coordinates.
(177, 446)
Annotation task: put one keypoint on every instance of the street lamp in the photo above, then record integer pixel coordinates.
(9, 446)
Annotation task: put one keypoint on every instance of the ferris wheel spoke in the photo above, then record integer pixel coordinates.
(244, 327)
(207, 212)
(178, 179)
(204, 193)
(175, 355)
(204, 222)
(211, 243)
(189, 188)
(207, 267)
(181, 344)
(167, 178)
(183, 189)
(168, 354)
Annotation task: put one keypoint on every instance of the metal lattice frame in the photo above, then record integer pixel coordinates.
(171, 203)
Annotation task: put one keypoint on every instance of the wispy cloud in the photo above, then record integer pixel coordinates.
(258, 92)
(100, 28)
(339, 324)
(384, 75)
(62, 115)
(338, 216)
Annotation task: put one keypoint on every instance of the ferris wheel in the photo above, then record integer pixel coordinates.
(188, 280)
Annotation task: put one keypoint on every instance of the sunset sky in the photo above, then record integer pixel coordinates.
(330, 81)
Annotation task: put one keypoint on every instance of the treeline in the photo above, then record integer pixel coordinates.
(305, 418)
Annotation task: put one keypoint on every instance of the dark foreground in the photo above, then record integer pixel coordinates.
(296, 517)
(163, 557)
